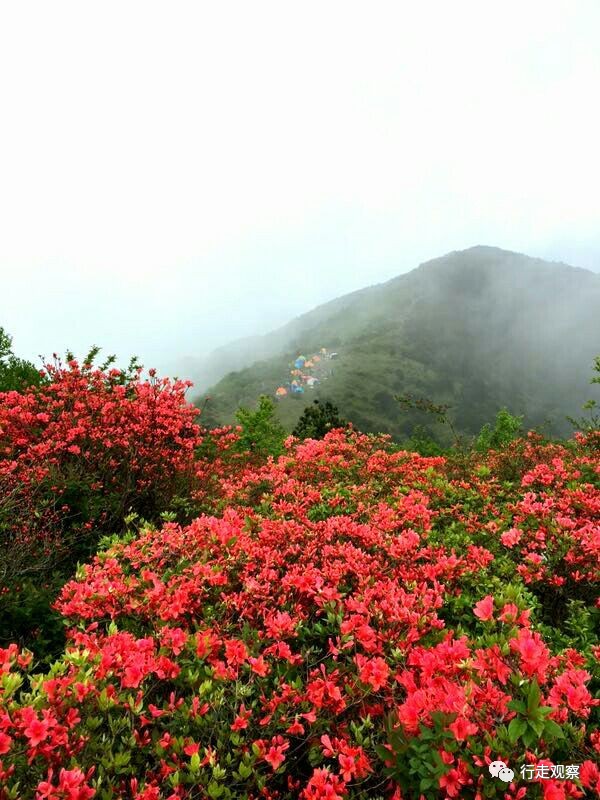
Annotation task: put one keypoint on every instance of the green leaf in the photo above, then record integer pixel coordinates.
(195, 763)
(553, 730)
(92, 723)
(245, 771)
(516, 729)
(518, 706)
(533, 697)
(537, 725)
(121, 761)
(529, 738)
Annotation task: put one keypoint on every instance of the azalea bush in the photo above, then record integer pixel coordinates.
(78, 454)
(347, 621)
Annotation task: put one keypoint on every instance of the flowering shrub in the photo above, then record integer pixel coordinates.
(350, 621)
(80, 452)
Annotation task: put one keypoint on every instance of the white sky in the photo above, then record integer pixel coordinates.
(174, 175)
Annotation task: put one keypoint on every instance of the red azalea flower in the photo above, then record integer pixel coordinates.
(36, 731)
(240, 723)
(462, 728)
(484, 609)
(274, 754)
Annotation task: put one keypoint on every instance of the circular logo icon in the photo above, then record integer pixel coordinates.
(498, 769)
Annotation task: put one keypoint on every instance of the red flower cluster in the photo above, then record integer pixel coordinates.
(355, 623)
(83, 449)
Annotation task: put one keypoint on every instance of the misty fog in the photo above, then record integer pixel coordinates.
(164, 206)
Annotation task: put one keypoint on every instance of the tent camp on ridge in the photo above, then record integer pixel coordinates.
(305, 372)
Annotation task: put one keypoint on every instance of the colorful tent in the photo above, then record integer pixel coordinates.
(299, 362)
(281, 392)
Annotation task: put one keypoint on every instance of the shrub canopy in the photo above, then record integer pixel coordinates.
(349, 621)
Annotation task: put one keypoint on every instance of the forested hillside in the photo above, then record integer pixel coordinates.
(476, 329)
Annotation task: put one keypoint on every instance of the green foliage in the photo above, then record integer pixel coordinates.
(27, 617)
(421, 441)
(15, 373)
(317, 420)
(124, 376)
(507, 428)
(531, 722)
(460, 451)
(262, 434)
(438, 411)
(591, 423)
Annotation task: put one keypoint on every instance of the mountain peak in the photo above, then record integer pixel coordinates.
(486, 255)
(477, 329)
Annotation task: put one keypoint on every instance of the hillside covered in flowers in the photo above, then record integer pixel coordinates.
(348, 619)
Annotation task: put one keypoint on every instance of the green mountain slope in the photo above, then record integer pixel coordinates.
(477, 329)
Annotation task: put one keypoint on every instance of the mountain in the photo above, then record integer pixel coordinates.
(477, 329)
(240, 353)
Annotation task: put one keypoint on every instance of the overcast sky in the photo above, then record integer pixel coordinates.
(175, 175)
